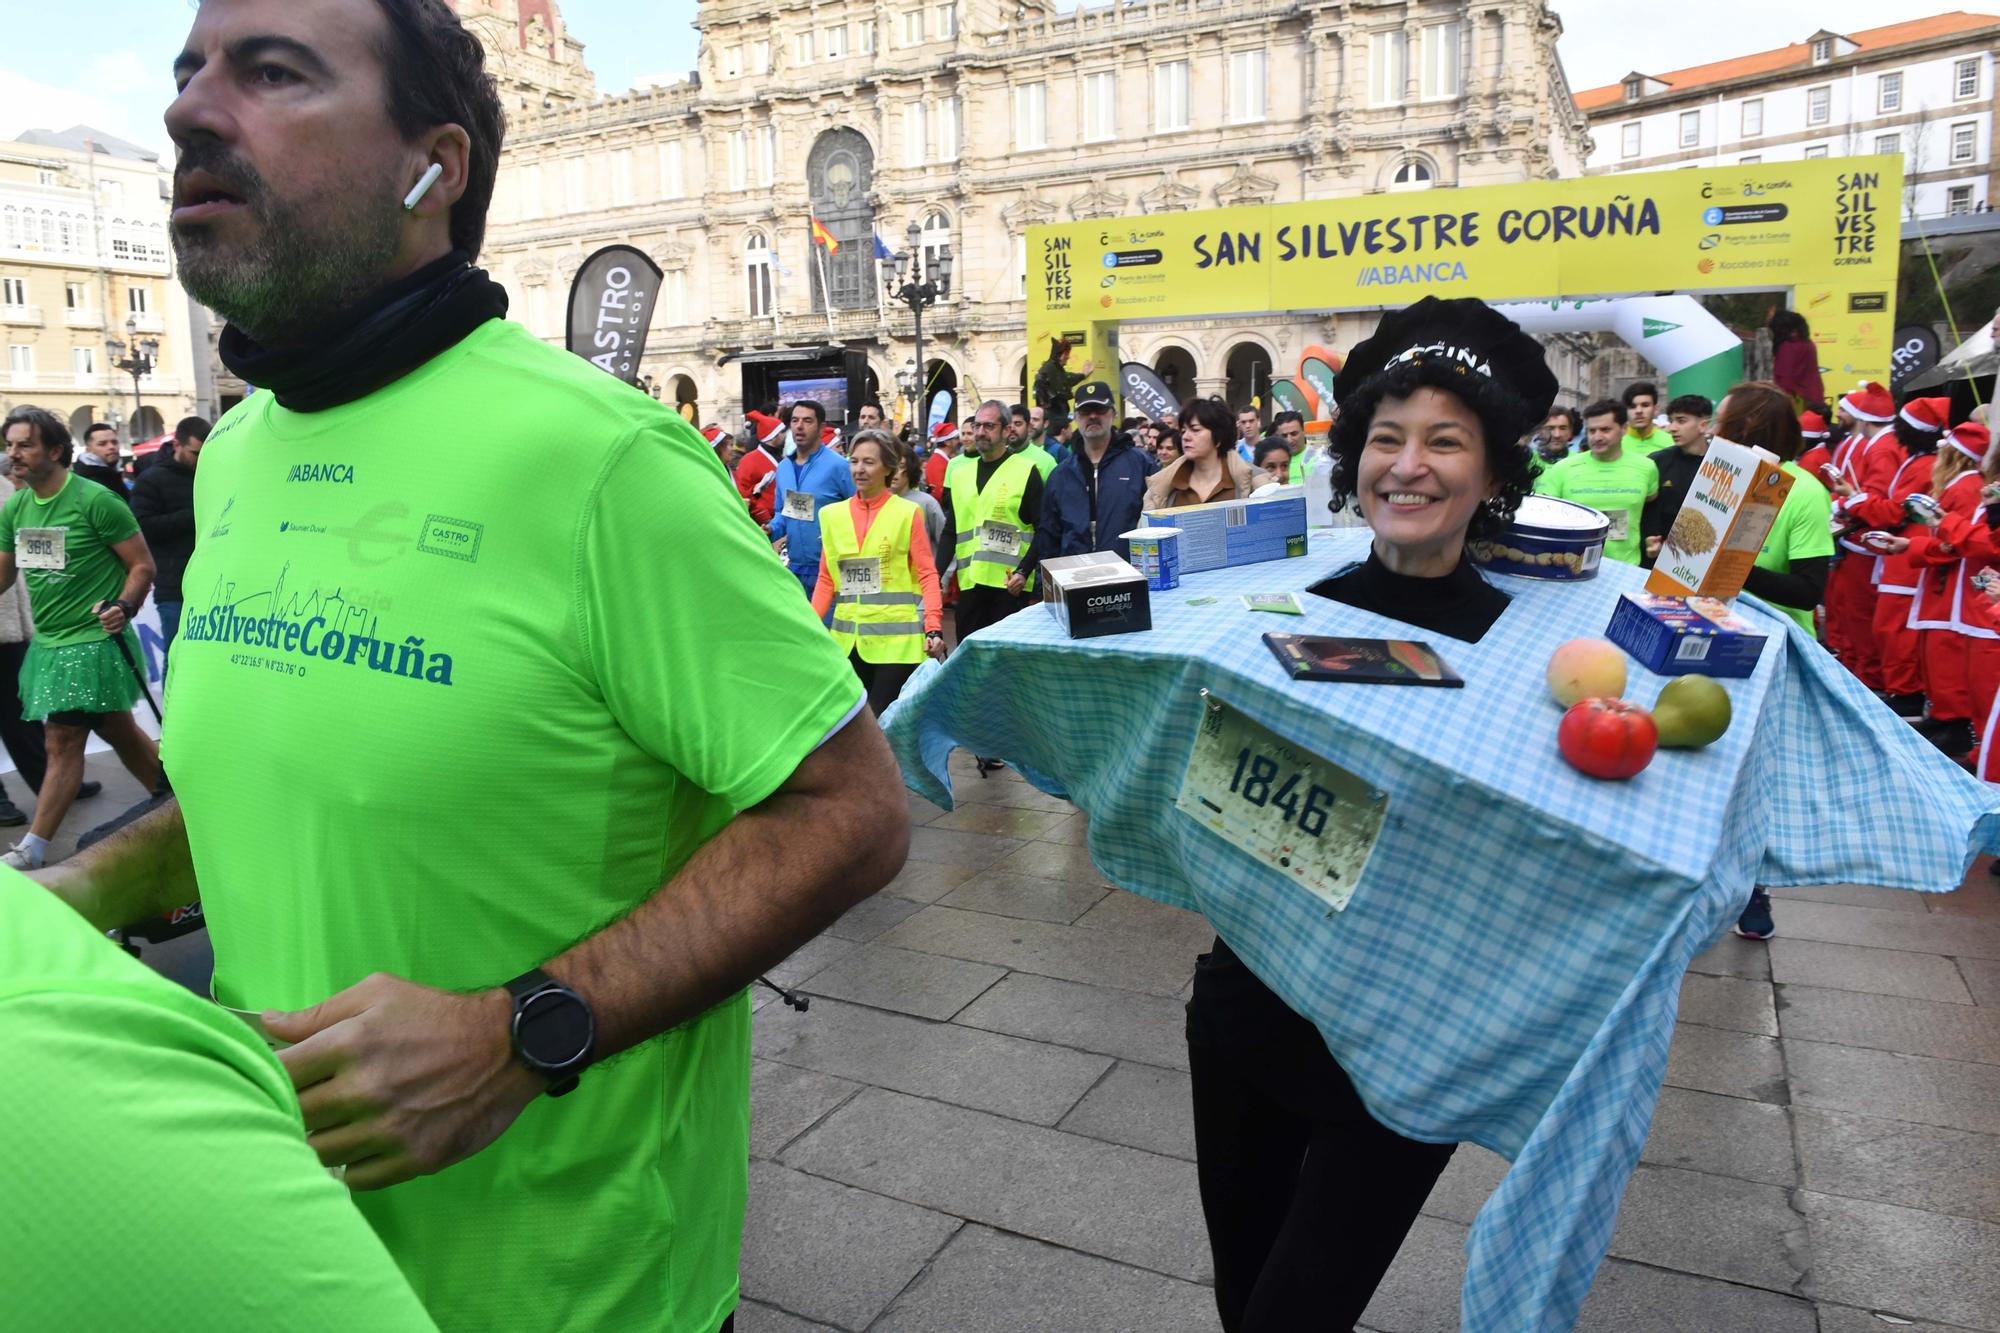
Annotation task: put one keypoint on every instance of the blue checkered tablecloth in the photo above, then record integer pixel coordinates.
(1509, 968)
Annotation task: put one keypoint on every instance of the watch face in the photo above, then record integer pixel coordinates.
(554, 1029)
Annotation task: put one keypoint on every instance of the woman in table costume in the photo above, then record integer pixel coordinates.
(1307, 1197)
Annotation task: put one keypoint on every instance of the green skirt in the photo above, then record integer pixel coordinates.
(90, 677)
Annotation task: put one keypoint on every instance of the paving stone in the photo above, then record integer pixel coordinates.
(951, 847)
(1151, 1029)
(1982, 978)
(757, 1317)
(1097, 957)
(1917, 976)
(814, 956)
(923, 984)
(1712, 1225)
(1892, 1161)
(1053, 860)
(871, 916)
(1029, 897)
(1847, 1319)
(1735, 1064)
(1632, 1298)
(926, 881)
(1075, 831)
(1957, 937)
(1979, 896)
(1724, 1136)
(1472, 1174)
(1007, 821)
(921, 811)
(1140, 1106)
(1010, 791)
(989, 1282)
(1023, 1079)
(1419, 1293)
(1890, 1023)
(1735, 1003)
(1734, 956)
(1101, 1198)
(786, 1101)
(800, 1251)
(1921, 1265)
(1120, 910)
(1857, 895)
(1953, 1094)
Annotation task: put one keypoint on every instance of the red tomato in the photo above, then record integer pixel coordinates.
(1607, 738)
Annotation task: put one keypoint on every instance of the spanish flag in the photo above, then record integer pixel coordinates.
(821, 236)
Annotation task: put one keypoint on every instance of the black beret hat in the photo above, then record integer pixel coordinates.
(1464, 335)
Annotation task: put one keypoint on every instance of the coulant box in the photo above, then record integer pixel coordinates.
(1096, 593)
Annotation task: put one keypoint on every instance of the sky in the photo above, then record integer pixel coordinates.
(112, 72)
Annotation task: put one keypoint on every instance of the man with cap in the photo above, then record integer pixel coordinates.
(1864, 464)
(811, 477)
(1919, 429)
(944, 450)
(1096, 495)
(757, 471)
(995, 499)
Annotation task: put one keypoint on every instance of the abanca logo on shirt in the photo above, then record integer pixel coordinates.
(340, 474)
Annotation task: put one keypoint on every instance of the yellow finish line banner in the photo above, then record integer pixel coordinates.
(1827, 229)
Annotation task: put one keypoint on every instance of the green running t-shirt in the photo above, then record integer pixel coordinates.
(62, 546)
(467, 668)
(1801, 531)
(156, 1167)
(1618, 489)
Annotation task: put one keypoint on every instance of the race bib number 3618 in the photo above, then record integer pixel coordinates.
(41, 548)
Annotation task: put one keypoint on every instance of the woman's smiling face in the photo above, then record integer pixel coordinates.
(1422, 477)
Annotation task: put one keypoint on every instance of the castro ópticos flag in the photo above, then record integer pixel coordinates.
(1145, 391)
(611, 307)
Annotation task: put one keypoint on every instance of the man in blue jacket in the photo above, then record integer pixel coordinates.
(1095, 496)
(812, 477)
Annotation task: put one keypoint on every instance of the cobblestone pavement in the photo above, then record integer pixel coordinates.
(982, 1124)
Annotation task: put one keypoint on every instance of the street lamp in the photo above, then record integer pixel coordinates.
(135, 356)
(906, 385)
(907, 282)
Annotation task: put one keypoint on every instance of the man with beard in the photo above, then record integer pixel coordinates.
(1096, 496)
(368, 621)
(98, 461)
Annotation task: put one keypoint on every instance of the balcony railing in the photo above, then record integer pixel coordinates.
(84, 319)
(147, 322)
(21, 314)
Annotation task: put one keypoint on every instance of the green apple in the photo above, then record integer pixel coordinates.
(1692, 711)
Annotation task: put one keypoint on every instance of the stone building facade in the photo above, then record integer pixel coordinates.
(973, 120)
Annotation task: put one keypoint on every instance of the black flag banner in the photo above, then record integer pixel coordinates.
(611, 307)
(1145, 391)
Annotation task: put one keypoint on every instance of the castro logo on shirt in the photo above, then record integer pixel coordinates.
(338, 474)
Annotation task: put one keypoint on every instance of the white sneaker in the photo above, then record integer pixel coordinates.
(20, 858)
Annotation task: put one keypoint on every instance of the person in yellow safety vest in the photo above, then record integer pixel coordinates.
(1018, 441)
(996, 498)
(878, 576)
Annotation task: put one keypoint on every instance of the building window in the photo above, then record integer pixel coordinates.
(621, 176)
(1889, 93)
(1889, 143)
(1031, 115)
(1388, 67)
(950, 110)
(936, 235)
(84, 361)
(1822, 50)
(732, 61)
(1753, 118)
(1817, 150)
(1690, 128)
(1964, 142)
(530, 190)
(674, 296)
(947, 20)
(757, 272)
(913, 28)
(670, 169)
(916, 134)
(760, 57)
(1958, 201)
(76, 296)
(1100, 108)
(836, 42)
(1634, 89)
(135, 300)
(1751, 160)
(1170, 96)
(1965, 80)
(1628, 145)
(13, 291)
(21, 359)
(767, 154)
(864, 37)
(1246, 86)
(1413, 174)
(1819, 104)
(1439, 44)
(1021, 265)
(575, 192)
(805, 48)
(739, 160)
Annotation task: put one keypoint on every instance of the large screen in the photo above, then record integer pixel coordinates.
(829, 392)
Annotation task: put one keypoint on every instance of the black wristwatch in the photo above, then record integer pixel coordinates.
(554, 1032)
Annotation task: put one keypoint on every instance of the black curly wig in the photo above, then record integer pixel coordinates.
(1501, 414)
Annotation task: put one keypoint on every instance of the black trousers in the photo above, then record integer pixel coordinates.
(980, 607)
(1307, 1197)
(882, 680)
(25, 741)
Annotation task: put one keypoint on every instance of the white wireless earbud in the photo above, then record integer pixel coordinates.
(423, 186)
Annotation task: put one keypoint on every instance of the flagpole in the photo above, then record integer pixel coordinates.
(819, 252)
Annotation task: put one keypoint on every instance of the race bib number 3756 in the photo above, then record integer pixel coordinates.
(1305, 817)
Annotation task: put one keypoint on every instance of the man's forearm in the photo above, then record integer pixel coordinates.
(142, 870)
(774, 877)
(138, 582)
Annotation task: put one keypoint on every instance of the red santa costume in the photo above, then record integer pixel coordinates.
(942, 434)
(1918, 433)
(1867, 461)
(1812, 427)
(1957, 621)
(757, 470)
